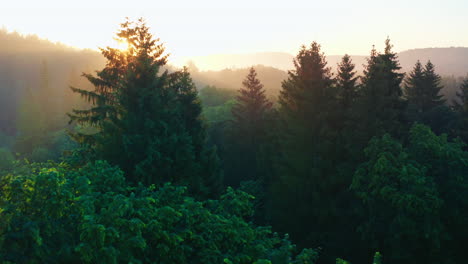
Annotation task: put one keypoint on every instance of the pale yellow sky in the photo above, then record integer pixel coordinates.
(193, 28)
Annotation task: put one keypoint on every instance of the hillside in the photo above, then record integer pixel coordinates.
(23, 57)
(270, 77)
(449, 61)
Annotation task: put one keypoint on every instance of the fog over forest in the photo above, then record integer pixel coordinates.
(22, 57)
(121, 155)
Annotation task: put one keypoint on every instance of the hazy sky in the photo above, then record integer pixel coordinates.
(200, 27)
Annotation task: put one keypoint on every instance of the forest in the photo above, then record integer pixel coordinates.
(123, 158)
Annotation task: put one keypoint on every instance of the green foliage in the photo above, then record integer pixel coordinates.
(247, 132)
(341, 261)
(309, 182)
(422, 88)
(425, 103)
(411, 192)
(460, 105)
(461, 102)
(217, 104)
(252, 105)
(380, 107)
(377, 258)
(346, 82)
(50, 213)
(219, 113)
(213, 96)
(149, 122)
(336, 166)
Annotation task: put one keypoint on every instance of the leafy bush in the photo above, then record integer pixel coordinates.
(51, 213)
(413, 195)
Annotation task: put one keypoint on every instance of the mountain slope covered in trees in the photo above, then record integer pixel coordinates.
(134, 164)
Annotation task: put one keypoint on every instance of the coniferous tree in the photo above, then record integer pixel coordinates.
(247, 156)
(347, 92)
(307, 188)
(380, 103)
(252, 104)
(461, 102)
(414, 85)
(414, 93)
(148, 122)
(425, 104)
(432, 80)
(249, 124)
(460, 105)
(422, 88)
(346, 82)
(304, 101)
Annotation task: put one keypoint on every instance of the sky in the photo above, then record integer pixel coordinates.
(202, 27)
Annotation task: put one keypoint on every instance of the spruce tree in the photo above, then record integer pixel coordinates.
(422, 87)
(432, 85)
(148, 121)
(461, 101)
(346, 82)
(414, 84)
(307, 181)
(425, 104)
(460, 105)
(252, 105)
(380, 107)
(248, 131)
(414, 93)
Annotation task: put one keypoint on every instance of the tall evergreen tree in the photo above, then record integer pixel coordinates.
(432, 81)
(422, 88)
(460, 105)
(252, 104)
(380, 103)
(248, 128)
(414, 85)
(425, 103)
(308, 187)
(346, 81)
(148, 122)
(461, 101)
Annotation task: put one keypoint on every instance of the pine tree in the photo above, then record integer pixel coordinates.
(252, 105)
(346, 82)
(460, 105)
(248, 131)
(424, 101)
(432, 85)
(422, 88)
(148, 122)
(306, 183)
(380, 107)
(414, 84)
(461, 102)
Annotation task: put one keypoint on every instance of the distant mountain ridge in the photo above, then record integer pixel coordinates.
(448, 61)
(21, 58)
